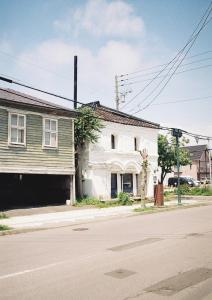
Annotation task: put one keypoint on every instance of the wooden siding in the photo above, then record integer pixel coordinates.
(33, 158)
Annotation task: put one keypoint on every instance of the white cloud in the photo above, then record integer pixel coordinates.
(103, 18)
(95, 71)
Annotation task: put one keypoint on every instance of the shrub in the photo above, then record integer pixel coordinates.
(184, 189)
(3, 216)
(88, 201)
(4, 227)
(195, 191)
(124, 199)
(201, 191)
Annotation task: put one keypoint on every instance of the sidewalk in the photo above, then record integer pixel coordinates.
(76, 216)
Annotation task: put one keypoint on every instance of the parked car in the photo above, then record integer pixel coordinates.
(172, 181)
(196, 182)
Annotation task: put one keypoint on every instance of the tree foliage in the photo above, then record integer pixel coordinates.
(167, 158)
(87, 126)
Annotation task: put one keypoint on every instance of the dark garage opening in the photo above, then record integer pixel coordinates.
(33, 190)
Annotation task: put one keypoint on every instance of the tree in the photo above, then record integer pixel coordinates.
(167, 158)
(144, 166)
(87, 127)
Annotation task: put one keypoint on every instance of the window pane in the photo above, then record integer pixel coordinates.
(21, 121)
(47, 138)
(47, 124)
(14, 120)
(127, 183)
(53, 139)
(112, 141)
(21, 136)
(135, 144)
(53, 125)
(14, 133)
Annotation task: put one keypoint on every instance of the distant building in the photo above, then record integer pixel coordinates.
(200, 167)
(36, 151)
(113, 164)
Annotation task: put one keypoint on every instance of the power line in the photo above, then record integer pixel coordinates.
(176, 73)
(125, 81)
(163, 87)
(177, 56)
(184, 100)
(194, 135)
(161, 65)
(53, 106)
(38, 90)
(27, 97)
(180, 101)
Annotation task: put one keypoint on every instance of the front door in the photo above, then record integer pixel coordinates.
(113, 185)
(128, 183)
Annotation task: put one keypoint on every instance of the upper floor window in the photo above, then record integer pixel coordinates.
(113, 142)
(136, 144)
(50, 133)
(17, 129)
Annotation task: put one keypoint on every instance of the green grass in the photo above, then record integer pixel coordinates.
(89, 201)
(4, 227)
(200, 191)
(146, 209)
(186, 190)
(3, 216)
(169, 195)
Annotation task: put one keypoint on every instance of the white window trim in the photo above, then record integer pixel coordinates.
(16, 144)
(43, 140)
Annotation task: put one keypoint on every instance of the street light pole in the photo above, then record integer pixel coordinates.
(177, 133)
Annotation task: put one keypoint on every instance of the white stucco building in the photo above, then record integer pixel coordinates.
(113, 164)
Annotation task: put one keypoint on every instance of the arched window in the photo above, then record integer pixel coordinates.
(135, 144)
(113, 142)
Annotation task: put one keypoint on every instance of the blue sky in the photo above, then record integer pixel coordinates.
(38, 40)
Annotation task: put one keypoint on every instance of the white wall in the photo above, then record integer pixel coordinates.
(100, 160)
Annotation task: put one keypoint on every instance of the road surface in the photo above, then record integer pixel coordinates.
(156, 256)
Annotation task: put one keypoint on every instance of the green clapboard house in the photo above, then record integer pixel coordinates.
(36, 151)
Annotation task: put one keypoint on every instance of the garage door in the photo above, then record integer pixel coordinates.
(23, 190)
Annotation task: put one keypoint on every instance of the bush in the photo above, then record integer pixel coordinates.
(201, 191)
(3, 216)
(195, 191)
(184, 189)
(124, 199)
(4, 227)
(88, 201)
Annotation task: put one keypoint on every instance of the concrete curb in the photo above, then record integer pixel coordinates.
(132, 214)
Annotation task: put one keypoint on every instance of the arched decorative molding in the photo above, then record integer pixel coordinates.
(132, 166)
(115, 166)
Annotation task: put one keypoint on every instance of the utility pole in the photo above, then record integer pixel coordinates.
(75, 82)
(209, 153)
(117, 93)
(177, 133)
(209, 157)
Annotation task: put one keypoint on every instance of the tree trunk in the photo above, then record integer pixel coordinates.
(78, 166)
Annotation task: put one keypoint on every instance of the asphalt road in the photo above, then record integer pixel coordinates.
(157, 256)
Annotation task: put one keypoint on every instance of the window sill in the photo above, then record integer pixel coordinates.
(16, 145)
(49, 148)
